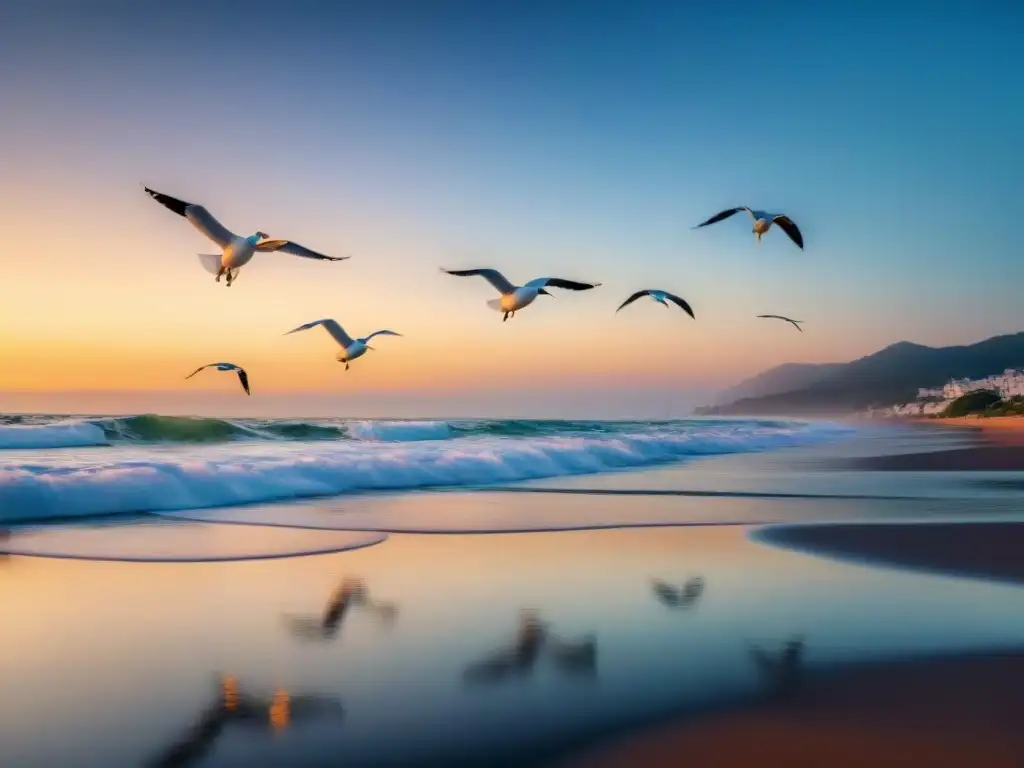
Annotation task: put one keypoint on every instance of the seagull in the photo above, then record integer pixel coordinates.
(660, 297)
(242, 375)
(795, 323)
(762, 223)
(675, 597)
(236, 251)
(351, 348)
(514, 297)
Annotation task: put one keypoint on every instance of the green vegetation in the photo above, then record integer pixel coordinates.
(1011, 407)
(977, 402)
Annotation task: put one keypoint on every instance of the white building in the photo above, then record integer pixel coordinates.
(1009, 383)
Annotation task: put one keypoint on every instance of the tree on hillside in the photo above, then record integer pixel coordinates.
(973, 402)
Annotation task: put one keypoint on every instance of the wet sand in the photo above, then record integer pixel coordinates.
(1000, 447)
(952, 711)
(991, 550)
(935, 712)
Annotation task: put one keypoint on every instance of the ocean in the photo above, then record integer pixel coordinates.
(55, 467)
(215, 576)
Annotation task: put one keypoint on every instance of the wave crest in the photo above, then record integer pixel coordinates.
(153, 480)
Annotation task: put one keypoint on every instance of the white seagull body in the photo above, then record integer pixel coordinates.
(662, 297)
(236, 251)
(762, 223)
(243, 377)
(350, 348)
(515, 297)
(791, 321)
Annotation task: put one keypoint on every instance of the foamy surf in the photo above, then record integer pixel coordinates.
(143, 478)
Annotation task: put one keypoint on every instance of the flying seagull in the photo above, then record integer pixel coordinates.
(236, 251)
(515, 297)
(242, 375)
(351, 348)
(795, 323)
(762, 223)
(660, 297)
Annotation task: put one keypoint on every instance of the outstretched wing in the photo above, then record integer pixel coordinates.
(681, 303)
(331, 326)
(724, 215)
(200, 368)
(633, 298)
(380, 333)
(244, 378)
(492, 276)
(794, 323)
(786, 225)
(559, 282)
(201, 218)
(287, 246)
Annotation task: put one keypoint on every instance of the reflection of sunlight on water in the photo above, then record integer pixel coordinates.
(230, 686)
(460, 597)
(280, 710)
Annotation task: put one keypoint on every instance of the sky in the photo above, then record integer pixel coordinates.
(574, 139)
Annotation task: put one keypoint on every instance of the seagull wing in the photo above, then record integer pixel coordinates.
(201, 218)
(287, 246)
(492, 276)
(724, 215)
(244, 378)
(786, 225)
(200, 368)
(681, 303)
(795, 323)
(331, 326)
(558, 282)
(633, 298)
(380, 333)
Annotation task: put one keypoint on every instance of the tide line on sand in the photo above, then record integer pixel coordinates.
(943, 712)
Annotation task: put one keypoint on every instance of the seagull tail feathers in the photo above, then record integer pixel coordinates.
(210, 262)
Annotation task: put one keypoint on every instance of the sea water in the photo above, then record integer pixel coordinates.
(54, 467)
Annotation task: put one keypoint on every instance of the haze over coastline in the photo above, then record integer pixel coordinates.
(533, 138)
(509, 535)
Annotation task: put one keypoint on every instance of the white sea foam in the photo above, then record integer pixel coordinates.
(165, 479)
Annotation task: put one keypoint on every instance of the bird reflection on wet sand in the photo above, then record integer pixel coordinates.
(781, 671)
(686, 596)
(232, 706)
(351, 593)
(534, 640)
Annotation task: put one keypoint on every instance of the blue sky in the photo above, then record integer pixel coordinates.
(577, 138)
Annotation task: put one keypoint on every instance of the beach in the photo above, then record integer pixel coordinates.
(1000, 447)
(944, 712)
(587, 619)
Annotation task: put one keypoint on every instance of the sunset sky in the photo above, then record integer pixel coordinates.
(575, 139)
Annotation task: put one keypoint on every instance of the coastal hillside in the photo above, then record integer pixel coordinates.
(889, 376)
(782, 378)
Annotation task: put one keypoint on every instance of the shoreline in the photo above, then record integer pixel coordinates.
(999, 447)
(888, 713)
(894, 712)
(963, 549)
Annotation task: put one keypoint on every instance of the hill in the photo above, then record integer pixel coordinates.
(782, 378)
(889, 376)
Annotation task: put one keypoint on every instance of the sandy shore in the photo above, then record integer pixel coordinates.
(996, 429)
(991, 550)
(1000, 448)
(938, 712)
